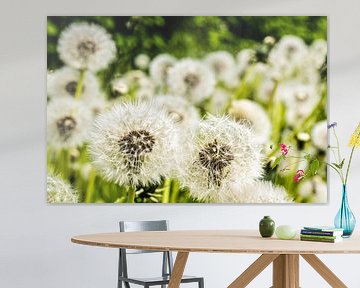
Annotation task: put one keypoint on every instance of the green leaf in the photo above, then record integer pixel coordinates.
(342, 163)
(276, 162)
(336, 165)
(314, 166)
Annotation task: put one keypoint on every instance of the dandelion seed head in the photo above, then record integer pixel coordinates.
(244, 59)
(58, 191)
(63, 83)
(68, 123)
(142, 61)
(288, 55)
(222, 151)
(219, 101)
(86, 46)
(269, 40)
(257, 72)
(314, 189)
(255, 115)
(119, 86)
(300, 99)
(223, 65)
(180, 111)
(191, 79)
(318, 53)
(135, 144)
(258, 192)
(144, 94)
(159, 68)
(264, 90)
(319, 135)
(98, 105)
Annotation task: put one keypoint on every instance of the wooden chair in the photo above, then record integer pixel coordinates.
(167, 263)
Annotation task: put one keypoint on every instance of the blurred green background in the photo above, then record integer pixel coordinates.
(191, 36)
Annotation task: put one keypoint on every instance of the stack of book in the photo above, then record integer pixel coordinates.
(321, 234)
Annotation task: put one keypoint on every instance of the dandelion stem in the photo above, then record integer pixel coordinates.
(166, 192)
(90, 189)
(175, 189)
(80, 84)
(131, 194)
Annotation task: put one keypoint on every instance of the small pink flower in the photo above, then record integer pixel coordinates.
(284, 149)
(300, 174)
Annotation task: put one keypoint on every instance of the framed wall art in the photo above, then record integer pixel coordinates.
(200, 109)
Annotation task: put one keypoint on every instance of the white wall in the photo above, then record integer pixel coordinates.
(35, 248)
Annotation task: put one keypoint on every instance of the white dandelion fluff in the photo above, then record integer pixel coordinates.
(222, 63)
(319, 135)
(144, 94)
(300, 99)
(159, 68)
(287, 55)
(318, 53)
(135, 81)
(97, 105)
(86, 46)
(180, 110)
(135, 144)
(265, 90)
(244, 59)
(258, 192)
(255, 115)
(313, 190)
(219, 101)
(119, 86)
(64, 81)
(192, 79)
(142, 61)
(223, 151)
(257, 72)
(58, 191)
(68, 123)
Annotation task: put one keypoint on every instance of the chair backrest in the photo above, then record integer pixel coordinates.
(135, 226)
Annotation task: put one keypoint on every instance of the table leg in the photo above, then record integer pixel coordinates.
(286, 271)
(324, 271)
(178, 269)
(253, 270)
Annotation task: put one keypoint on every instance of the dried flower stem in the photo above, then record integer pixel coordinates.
(350, 159)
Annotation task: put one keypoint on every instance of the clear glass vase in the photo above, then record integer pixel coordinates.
(345, 219)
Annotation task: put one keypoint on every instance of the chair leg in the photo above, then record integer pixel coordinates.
(201, 283)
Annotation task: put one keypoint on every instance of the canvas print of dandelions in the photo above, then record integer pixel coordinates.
(186, 109)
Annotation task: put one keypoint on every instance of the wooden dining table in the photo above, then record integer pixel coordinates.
(283, 254)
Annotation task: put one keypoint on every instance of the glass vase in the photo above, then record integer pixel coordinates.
(345, 219)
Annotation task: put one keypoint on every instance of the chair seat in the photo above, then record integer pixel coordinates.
(158, 280)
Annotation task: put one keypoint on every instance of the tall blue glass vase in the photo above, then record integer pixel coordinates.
(345, 219)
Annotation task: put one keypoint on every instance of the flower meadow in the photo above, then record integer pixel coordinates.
(187, 110)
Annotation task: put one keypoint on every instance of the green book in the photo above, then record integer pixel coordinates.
(319, 236)
(323, 228)
(324, 240)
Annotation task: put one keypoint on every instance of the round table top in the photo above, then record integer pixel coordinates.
(217, 241)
